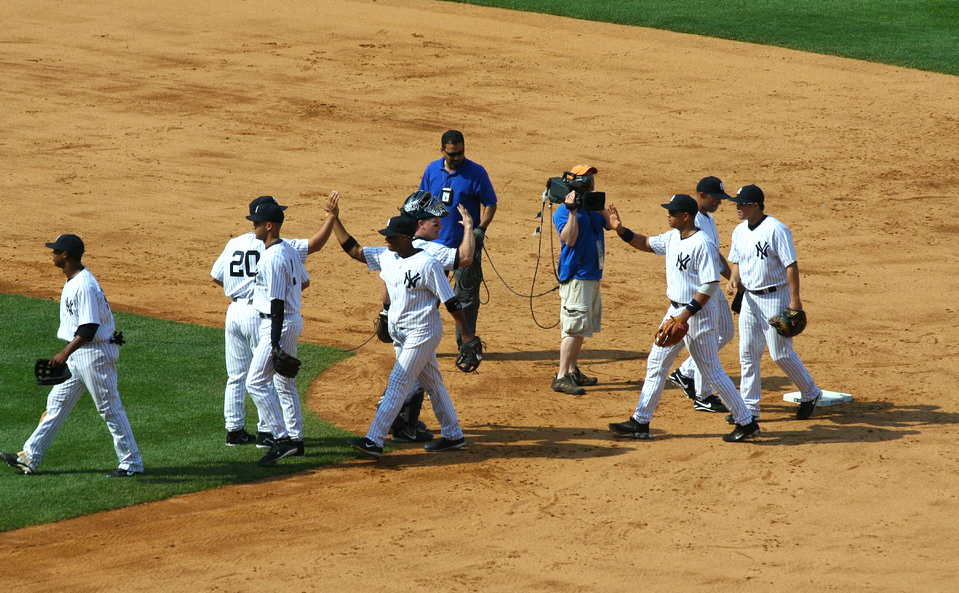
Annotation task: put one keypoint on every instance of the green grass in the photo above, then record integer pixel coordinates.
(171, 379)
(922, 34)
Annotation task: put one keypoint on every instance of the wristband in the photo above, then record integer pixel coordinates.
(627, 235)
(349, 244)
(694, 307)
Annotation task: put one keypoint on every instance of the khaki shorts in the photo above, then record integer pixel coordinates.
(581, 308)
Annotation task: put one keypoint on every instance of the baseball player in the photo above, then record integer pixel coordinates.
(692, 277)
(277, 292)
(86, 324)
(709, 195)
(456, 180)
(234, 270)
(763, 262)
(429, 212)
(416, 284)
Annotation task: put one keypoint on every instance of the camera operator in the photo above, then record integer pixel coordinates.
(581, 223)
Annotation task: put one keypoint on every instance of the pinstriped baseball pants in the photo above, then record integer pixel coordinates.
(94, 369)
(241, 334)
(279, 406)
(725, 330)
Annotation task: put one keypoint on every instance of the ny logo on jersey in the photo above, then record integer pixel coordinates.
(70, 305)
(762, 250)
(411, 281)
(682, 262)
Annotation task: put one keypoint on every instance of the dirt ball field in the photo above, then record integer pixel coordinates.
(147, 128)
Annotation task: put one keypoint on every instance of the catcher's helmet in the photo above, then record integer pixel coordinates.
(422, 205)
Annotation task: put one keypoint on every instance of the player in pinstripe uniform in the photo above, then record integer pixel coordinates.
(709, 195)
(692, 276)
(763, 262)
(234, 270)
(416, 284)
(86, 324)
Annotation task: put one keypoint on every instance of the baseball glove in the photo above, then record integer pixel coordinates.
(671, 332)
(286, 365)
(382, 326)
(46, 375)
(789, 323)
(471, 355)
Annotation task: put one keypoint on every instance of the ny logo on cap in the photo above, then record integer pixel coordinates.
(411, 281)
(762, 250)
(682, 262)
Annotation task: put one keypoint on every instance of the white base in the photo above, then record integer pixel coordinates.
(829, 398)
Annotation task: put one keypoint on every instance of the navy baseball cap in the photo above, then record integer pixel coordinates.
(400, 225)
(712, 186)
(71, 244)
(749, 194)
(682, 203)
(263, 200)
(267, 212)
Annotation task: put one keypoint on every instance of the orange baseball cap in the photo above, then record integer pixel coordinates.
(583, 170)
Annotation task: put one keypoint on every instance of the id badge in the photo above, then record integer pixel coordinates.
(446, 196)
(600, 254)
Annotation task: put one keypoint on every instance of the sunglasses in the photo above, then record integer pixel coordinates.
(455, 154)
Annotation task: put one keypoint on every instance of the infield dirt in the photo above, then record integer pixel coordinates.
(147, 130)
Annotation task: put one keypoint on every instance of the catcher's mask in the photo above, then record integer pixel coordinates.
(423, 205)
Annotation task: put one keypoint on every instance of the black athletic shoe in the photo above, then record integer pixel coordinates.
(300, 450)
(15, 461)
(565, 385)
(743, 432)
(711, 403)
(366, 446)
(123, 473)
(577, 378)
(731, 420)
(631, 428)
(281, 448)
(264, 440)
(238, 438)
(807, 408)
(445, 444)
(683, 382)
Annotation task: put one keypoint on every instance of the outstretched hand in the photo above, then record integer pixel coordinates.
(615, 223)
(333, 203)
(467, 221)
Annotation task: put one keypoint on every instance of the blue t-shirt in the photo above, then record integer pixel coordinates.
(582, 261)
(469, 185)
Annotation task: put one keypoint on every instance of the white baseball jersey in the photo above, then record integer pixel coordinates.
(689, 263)
(280, 275)
(416, 284)
(441, 253)
(81, 302)
(762, 253)
(236, 266)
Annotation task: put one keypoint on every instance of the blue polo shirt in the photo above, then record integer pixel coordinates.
(582, 260)
(469, 185)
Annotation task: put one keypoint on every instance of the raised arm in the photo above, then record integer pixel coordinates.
(348, 243)
(468, 245)
(318, 240)
(638, 241)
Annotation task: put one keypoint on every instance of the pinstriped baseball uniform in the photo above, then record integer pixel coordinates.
(236, 269)
(416, 285)
(690, 262)
(280, 275)
(763, 253)
(93, 366)
(721, 314)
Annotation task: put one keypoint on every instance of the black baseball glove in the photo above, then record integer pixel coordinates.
(46, 375)
(286, 365)
(383, 328)
(789, 323)
(471, 355)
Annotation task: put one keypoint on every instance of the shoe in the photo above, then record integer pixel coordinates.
(683, 382)
(445, 444)
(300, 450)
(18, 462)
(631, 428)
(807, 408)
(743, 432)
(566, 385)
(367, 446)
(123, 473)
(264, 440)
(731, 420)
(409, 436)
(281, 448)
(577, 377)
(238, 438)
(711, 403)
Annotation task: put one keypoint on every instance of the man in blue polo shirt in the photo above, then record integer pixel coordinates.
(581, 256)
(455, 180)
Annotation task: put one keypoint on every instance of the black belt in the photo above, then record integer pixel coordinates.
(265, 316)
(762, 290)
(247, 301)
(675, 304)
